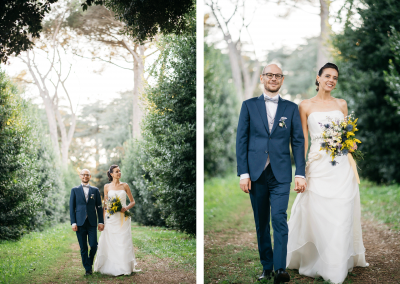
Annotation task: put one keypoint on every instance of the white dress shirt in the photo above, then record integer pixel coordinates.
(271, 108)
(86, 192)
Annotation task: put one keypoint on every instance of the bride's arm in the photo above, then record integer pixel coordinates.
(105, 199)
(303, 118)
(129, 193)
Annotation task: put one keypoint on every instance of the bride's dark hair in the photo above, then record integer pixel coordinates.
(327, 65)
(110, 178)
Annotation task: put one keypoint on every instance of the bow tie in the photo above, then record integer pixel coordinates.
(85, 186)
(274, 99)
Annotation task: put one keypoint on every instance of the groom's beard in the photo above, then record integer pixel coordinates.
(275, 91)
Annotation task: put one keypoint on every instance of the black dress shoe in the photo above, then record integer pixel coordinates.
(266, 274)
(88, 273)
(281, 276)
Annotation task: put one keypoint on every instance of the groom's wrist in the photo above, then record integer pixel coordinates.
(243, 176)
(298, 176)
(74, 224)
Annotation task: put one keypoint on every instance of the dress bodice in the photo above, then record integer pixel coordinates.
(120, 193)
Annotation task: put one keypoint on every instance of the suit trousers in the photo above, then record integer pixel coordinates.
(84, 234)
(269, 199)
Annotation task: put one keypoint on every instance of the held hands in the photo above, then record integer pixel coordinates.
(245, 185)
(100, 227)
(300, 184)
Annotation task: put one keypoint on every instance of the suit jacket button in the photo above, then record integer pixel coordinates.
(266, 152)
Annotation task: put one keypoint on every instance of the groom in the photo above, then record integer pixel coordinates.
(84, 202)
(267, 126)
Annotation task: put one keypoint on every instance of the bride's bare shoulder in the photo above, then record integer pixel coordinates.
(305, 105)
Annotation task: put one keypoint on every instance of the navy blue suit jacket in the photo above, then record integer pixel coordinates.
(79, 209)
(254, 141)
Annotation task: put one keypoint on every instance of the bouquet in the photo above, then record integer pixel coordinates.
(114, 205)
(339, 138)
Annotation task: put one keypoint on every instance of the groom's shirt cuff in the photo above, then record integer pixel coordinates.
(300, 176)
(243, 176)
(75, 224)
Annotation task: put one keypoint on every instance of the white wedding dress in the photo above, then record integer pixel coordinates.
(115, 254)
(325, 237)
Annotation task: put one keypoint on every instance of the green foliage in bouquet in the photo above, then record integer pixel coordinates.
(114, 205)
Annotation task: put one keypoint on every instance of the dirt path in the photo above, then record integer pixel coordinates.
(382, 253)
(154, 270)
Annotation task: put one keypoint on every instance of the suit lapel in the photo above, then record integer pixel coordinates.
(279, 112)
(89, 193)
(82, 193)
(263, 111)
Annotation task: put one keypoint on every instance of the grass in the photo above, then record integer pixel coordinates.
(381, 203)
(227, 212)
(42, 257)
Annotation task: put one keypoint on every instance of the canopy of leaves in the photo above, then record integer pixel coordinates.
(144, 18)
(169, 130)
(20, 21)
(364, 54)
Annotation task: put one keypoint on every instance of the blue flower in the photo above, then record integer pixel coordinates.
(334, 163)
(327, 125)
(323, 144)
(349, 127)
(345, 151)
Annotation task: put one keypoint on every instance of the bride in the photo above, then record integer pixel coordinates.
(325, 237)
(115, 254)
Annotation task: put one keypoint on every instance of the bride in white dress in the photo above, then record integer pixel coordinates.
(115, 253)
(325, 237)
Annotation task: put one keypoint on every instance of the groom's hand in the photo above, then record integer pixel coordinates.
(245, 184)
(300, 184)
(75, 228)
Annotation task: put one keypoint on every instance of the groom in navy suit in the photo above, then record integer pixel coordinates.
(84, 203)
(267, 126)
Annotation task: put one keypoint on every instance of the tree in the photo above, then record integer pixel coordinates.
(145, 211)
(392, 78)
(221, 110)
(19, 192)
(169, 130)
(20, 22)
(145, 19)
(364, 53)
(107, 42)
(245, 72)
(51, 98)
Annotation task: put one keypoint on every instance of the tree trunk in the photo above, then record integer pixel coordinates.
(234, 59)
(323, 54)
(138, 70)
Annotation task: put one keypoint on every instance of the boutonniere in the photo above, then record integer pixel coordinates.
(91, 196)
(282, 122)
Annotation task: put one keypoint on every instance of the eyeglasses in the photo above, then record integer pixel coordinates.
(85, 175)
(270, 76)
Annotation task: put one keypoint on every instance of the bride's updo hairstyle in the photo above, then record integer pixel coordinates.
(327, 65)
(110, 178)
